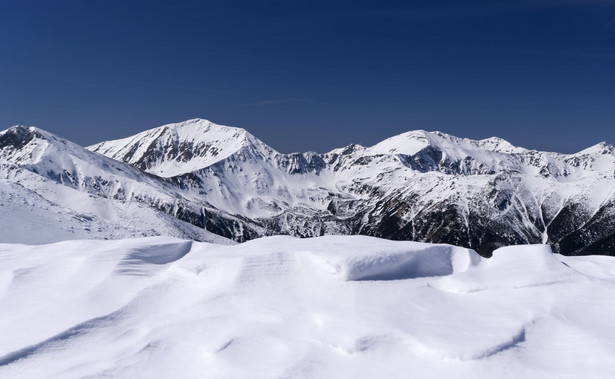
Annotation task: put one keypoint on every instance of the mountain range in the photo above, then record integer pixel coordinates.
(209, 182)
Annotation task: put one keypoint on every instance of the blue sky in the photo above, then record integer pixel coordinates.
(314, 75)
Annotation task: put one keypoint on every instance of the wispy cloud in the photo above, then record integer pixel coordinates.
(282, 101)
(81, 77)
(480, 8)
(172, 86)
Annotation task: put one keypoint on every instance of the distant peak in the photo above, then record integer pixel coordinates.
(199, 121)
(353, 147)
(438, 133)
(423, 135)
(178, 148)
(196, 120)
(18, 136)
(409, 143)
(598, 149)
(418, 133)
(193, 122)
(201, 125)
(493, 140)
(20, 129)
(497, 144)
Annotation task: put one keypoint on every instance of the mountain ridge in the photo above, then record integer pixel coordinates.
(180, 139)
(418, 185)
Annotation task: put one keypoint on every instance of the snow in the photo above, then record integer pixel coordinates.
(52, 190)
(205, 142)
(344, 307)
(249, 178)
(28, 217)
(196, 169)
(413, 142)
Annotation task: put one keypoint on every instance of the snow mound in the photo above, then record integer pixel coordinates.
(513, 267)
(391, 260)
(344, 307)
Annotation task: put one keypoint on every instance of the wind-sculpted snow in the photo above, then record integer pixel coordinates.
(343, 307)
(409, 261)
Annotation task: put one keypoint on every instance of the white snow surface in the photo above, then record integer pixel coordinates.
(28, 217)
(280, 307)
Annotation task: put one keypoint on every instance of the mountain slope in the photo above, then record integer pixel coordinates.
(68, 192)
(422, 186)
(426, 186)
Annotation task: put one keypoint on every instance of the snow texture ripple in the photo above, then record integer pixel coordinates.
(344, 307)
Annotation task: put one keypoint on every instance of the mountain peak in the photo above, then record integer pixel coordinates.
(414, 141)
(178, 148)
(18, 136)
(408, 143)
(24, 144)
(199, 124)
(600, 148)
(498, 145)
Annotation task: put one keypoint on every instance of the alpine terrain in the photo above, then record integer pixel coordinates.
(208, 182)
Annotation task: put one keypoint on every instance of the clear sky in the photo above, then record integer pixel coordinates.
(313, 75)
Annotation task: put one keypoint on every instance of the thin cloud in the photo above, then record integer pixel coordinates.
(282, 101)
(162, 85)
(482, 8)
(81, 77)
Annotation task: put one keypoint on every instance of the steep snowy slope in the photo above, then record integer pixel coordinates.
(426, 186)
(343, 307)
(52, 190)
(27, 217)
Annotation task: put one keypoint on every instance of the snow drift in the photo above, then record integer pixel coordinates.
(342, 307)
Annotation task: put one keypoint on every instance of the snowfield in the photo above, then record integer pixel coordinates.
(343, 307)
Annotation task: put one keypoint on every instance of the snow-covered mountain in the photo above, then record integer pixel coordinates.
(177, 149)
(424, 186)
(52, 190)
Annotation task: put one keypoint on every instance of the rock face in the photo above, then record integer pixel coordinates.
(422, 186)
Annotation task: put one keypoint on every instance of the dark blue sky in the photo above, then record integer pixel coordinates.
(313, 75)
